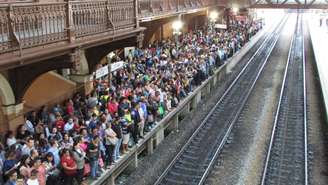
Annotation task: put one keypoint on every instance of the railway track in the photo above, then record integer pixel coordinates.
(193, 162)
(286, 161)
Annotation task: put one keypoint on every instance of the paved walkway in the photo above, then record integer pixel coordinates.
(319, 36)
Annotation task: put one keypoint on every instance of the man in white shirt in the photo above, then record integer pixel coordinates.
(33, 180)
(26, 150)
(29, 126)
(69, 125)
(142, 120)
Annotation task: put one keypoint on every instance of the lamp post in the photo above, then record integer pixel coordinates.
(177, 26)
(235, 10)
(213, 16)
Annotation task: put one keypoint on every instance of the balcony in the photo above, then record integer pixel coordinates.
(30, 30)
(27, 26)
(153, 9)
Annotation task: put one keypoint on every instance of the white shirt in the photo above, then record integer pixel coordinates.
(29, 126)
(32, 182)
(68, 126)
(142, 114)
(168, 104)
(163, 62)
(161, 96)
(110, 132)
(11, 141)
(26, 150)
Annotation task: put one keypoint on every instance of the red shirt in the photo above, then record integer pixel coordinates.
(112, 107)
(60, 125)
(69, 163)
(70, 109)
(76, 127)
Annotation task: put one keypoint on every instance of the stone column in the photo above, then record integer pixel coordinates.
(12, 117)
(85, 82)
(11, 113)
(80, 73)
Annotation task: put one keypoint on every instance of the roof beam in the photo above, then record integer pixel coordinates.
(291, 6)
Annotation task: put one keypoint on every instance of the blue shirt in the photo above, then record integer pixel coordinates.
(92, 124)
(144, 108)
(8, 164)
(10, 183)
(55, 153)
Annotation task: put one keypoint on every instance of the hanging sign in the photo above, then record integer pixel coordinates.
(221, 26)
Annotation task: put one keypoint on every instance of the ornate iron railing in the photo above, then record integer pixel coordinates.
(26, 25)
(157, 7)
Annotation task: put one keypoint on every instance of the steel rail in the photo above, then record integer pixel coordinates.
(305, 112)
(281, 105)
(237, 115)
(276, 116)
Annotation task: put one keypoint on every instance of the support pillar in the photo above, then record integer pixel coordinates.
(194, 103)
(186, 109)
(84, 81)
(135, 160)
(159, 136)
(11, 113)
(111, 180)
(176, 122)
(140, 39)
(214, 80)
(198, 97)
(208, 88)
(12, 117)
(81, 75)
(150, 146)
(227, 17)
(222, 72)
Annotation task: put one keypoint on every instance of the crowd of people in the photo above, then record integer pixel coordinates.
(89, 134)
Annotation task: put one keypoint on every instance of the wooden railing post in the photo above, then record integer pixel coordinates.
(151, 9)
(139, 7)
(69, 22)
(11, 24)
(109, 19)
(136, 12)
(161, 5)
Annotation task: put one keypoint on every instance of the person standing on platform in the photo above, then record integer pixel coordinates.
(93, 154)
(79, 157)
(126, 135)
(136, 120)
(117, 128)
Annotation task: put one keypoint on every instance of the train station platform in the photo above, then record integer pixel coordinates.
(319, 39)
(172, 120)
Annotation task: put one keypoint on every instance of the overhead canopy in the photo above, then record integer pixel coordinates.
(294, 4)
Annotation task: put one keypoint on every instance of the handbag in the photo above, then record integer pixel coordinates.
(111, 140)
(101, 162)
(86, 169)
